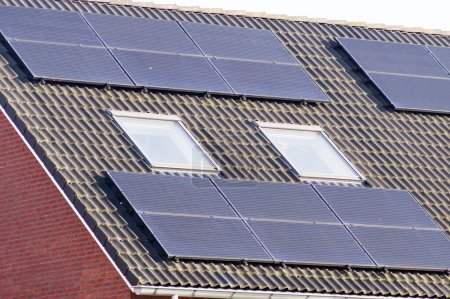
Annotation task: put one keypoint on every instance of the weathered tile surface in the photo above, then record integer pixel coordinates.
(70, 131)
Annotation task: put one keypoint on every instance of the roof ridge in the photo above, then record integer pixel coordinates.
(272, 16)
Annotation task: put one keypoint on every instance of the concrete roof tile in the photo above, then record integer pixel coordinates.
(78, 142)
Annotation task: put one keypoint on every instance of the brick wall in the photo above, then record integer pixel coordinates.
(45, 250)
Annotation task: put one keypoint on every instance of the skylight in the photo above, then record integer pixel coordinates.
(165, 142)
(310, 152)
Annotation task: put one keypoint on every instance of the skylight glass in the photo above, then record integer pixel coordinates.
(310, 152)
(164, 141)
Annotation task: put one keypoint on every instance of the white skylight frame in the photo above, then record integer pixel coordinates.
(311, 176)
(214, 169)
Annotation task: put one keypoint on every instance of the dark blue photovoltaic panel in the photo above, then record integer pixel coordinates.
(171, 194)
(164, 71)
(205, 238)
(46, 25)
(234, 42)
(70, 63)
(414, 93)
(442, 54)
(387, 57)
(405, 248)
(156, 54)
(268, 80)
(375, 206)
(298, 202)
(310, 243)
(141, 34)
(195, 218)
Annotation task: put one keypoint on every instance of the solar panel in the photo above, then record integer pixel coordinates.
(200, 218)
(375, 206)
(387, 57)
(405, 248)
(411, 77)
(153, 53)
(233, 42)
(205, 238)
(164, 71)
(171, 194)
(310, 243)
(414, 93)
(298, 202)
(442, 54)
(46, 25)
(141, 34)
(268, 80)
(70, 63)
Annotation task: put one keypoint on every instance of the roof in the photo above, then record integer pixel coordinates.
(67, 126)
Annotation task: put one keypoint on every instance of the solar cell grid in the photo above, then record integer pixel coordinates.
(403, 248)
(442, 54)
(375, 206)
(171, 194)
(236, 42)
(391, 226)
(414, 93)
(200, 218)
(141, 34)
(295, 202)
(310, 243)
(268, 80)
(411, 77)
(205, 238)
(46, 25)
(176, 72)
(161, 55)
(70, 63)
(389, 57)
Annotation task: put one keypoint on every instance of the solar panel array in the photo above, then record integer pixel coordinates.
(202, 218)
(394, 230)
(142, 52)
(62, 62)
(411, 77)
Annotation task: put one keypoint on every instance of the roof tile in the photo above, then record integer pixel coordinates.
(78, 142)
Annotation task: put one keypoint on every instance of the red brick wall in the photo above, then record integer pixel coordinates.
(45, 250)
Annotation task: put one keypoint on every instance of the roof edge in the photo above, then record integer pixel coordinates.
(270, 16)
(145, 290)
